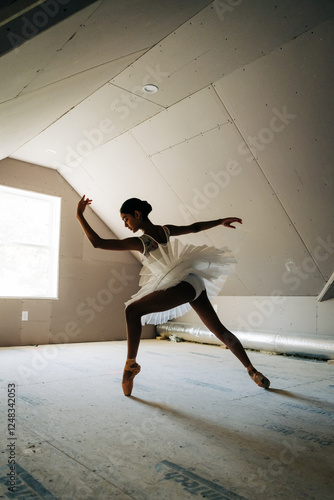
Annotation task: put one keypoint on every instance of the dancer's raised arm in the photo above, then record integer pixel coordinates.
(196, 227)
(97, 241)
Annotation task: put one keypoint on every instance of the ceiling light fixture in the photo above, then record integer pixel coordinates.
(150, 88)
(51, 151)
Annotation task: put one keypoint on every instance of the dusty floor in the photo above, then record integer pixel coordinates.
(196, 426)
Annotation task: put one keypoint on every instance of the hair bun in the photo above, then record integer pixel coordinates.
(146, 208)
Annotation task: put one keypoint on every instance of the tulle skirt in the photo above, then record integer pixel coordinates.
(171, 263)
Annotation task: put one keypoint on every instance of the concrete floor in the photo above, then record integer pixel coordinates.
(196, 426)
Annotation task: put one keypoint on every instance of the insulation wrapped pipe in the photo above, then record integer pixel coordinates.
(293, 344)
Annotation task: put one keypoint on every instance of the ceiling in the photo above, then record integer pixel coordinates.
(241, 124)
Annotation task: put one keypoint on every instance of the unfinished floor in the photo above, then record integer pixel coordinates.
(195, 427)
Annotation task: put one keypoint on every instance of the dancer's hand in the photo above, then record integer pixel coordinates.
(82, 205)
(228, 221)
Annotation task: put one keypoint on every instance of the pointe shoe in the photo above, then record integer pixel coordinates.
(259, 378)
(133, 368)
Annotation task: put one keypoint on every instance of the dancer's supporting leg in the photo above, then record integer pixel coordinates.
(154, 302)
(203, 307)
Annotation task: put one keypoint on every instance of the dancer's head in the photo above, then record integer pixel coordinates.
(133, 212)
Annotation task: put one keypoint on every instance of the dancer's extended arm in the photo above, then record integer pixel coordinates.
(97, 241)
(203, 226)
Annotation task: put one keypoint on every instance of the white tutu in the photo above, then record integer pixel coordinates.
(171, 262)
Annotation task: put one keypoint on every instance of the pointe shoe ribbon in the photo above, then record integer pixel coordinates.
(133, 369)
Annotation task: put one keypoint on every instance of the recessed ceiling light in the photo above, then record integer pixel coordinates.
(150, 89)
(51, 151)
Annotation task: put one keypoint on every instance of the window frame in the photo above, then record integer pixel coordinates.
(53, 246)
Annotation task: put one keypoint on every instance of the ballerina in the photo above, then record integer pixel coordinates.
(173, 279)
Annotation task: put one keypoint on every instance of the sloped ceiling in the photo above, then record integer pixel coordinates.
(241, 124)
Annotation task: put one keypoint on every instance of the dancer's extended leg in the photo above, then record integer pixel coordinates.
(203, 307)
(154, 302)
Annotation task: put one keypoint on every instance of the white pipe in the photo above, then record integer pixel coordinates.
(293, 344)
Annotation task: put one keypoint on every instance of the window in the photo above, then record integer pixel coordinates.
(29, 244)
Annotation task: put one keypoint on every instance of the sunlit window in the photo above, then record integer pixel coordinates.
(29, 244)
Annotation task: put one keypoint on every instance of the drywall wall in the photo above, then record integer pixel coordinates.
(273, 314)
(93, 284)
(241, 124)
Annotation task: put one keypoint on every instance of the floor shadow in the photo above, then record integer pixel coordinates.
(200, 423)
(299, 397)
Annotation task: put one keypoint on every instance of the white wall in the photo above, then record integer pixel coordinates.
(241, 126)
(283, 315)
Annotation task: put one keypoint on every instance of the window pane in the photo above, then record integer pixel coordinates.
(33, 216)
(25, 271)
(29, 244)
